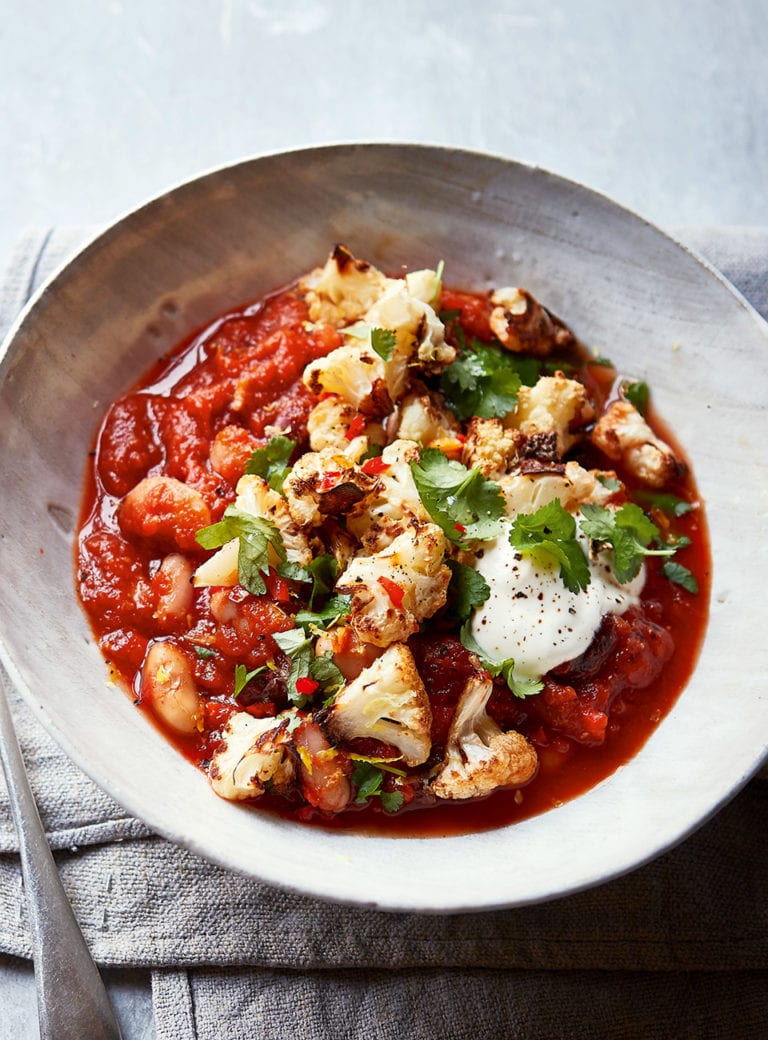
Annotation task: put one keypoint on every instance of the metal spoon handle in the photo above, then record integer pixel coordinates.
(72, 1001)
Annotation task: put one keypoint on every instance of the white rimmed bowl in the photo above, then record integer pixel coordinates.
(226, 238)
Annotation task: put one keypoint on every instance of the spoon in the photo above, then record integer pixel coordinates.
(71, 999)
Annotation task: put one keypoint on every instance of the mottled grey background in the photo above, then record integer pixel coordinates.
(663, 105)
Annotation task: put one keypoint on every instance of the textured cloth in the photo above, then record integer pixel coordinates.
(678, 948)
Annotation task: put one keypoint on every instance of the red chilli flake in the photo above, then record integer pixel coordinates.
(372, 467)
(356, 427)
(460, 528)
(306, 686)
(393, 590)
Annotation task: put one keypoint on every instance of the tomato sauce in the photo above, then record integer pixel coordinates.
(217, 397)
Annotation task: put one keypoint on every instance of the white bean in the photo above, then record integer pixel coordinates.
(168, 687)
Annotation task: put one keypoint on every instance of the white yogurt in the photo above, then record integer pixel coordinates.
(531, 615)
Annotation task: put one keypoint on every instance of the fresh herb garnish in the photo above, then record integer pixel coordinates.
(637, 395)
(256, 537)
(482, 381)
(549, 536)
(467, 590)
(304, 664)
(519, 687)
(680, 575)
(243, 677)
(628, 531)
(465, 504)
(271, 461)
(204, 652)
(322, 572)
(611, 483)
(383, 342)
(368, 780)
(666, 502)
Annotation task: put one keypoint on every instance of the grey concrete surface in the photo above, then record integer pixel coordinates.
(663, 105)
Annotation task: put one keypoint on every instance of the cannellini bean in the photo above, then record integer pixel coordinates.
(172, 584)
(168, 687)
(164, 511)
(350, 654)
(324, 782)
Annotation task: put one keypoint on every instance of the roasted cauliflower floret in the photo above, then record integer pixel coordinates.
(396, 504)
(422, 417)
(420, 333)
(524, 493)
(343, 290)
(252, 754)
(522, 325)
(396, 588)
(255, 496)
(329, 425)
(554, 404)
(490, 447)
(356, 374)
(326, 483)
(387, 701)
(479, 756)
(624, 435)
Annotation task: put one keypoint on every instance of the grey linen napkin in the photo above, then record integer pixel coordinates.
(678, 948)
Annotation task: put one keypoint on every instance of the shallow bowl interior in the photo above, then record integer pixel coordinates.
(225, 239)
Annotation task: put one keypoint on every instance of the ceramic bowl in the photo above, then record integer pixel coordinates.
(227, 238)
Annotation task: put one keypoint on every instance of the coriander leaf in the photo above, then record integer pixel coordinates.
(327, 674)
(636, 394)
(663, 500)
(611, 483)
(630, 533)
(549, 535)
(335, 608)
(680, 576)
(256, 536)
(467, 590)
(465, 504)
(391, 800)
(368, 780)
(603, 362)
(305, 665)
(271, 461)
(243, 677)
(323, 570)
(383, 342)
(297, 647)
(518, 687)
(482, 381)
(204, 652)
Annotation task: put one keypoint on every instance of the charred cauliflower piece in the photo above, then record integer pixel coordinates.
(524, 493)
(420, 333)
(422, 417)
(252, 754)
(325, 483)
(479, 756)
(329, 422)
(624, 435)
(396, 505)
(343, 290)
(395, 589)
(255, 496)
(356, 374)
(554, 404)
(489, 447)
(387, 701)
(522, 325)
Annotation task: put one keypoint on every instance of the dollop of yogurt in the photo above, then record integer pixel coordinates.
(532, 616)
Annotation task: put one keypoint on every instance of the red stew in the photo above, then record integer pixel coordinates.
(197, 416)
